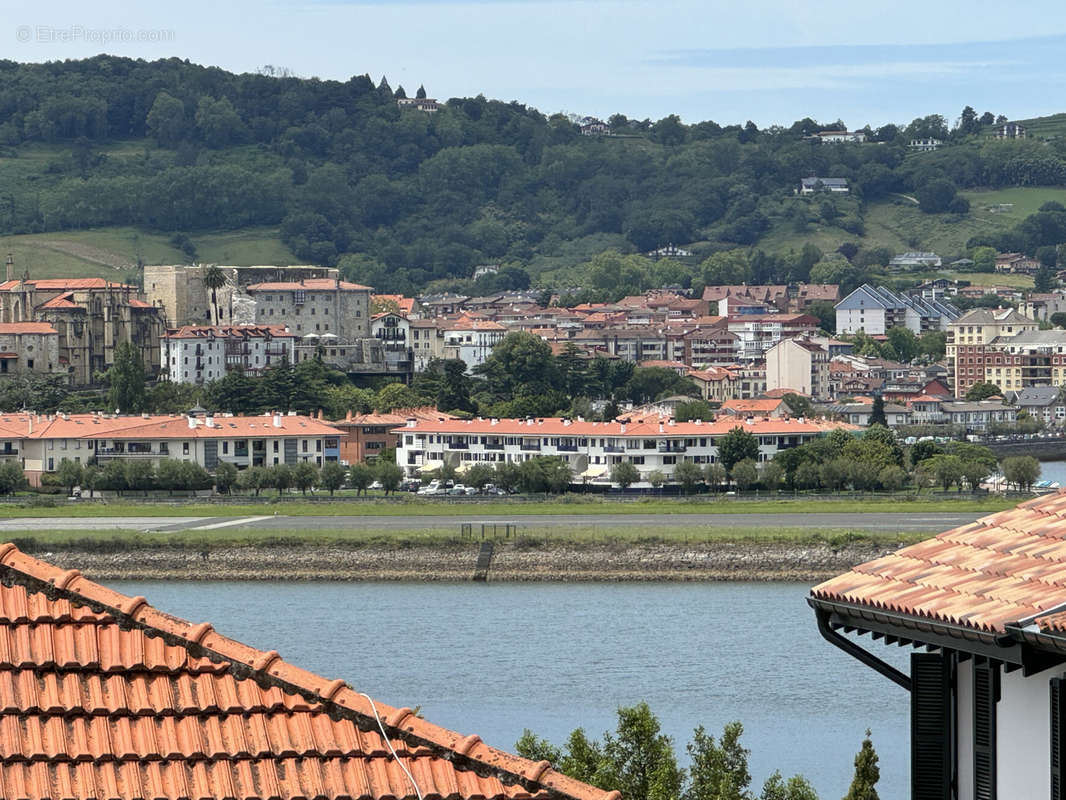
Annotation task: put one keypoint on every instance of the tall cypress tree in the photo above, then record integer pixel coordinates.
(126, 379)
(867, 773)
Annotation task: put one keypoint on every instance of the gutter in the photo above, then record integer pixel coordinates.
(853, 650)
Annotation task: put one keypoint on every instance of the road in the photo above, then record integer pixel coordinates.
(934, 522)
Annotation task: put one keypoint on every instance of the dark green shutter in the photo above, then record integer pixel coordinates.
(930, 726)
(984, 730)
(1058, 719)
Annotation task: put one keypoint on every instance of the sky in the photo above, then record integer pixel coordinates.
(769, 61)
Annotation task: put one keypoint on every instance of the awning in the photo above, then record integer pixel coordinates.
(428, 468)
(595, 471)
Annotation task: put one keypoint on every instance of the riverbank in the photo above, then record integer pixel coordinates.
(528, 560)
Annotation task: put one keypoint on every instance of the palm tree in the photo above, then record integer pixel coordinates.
(214, 279)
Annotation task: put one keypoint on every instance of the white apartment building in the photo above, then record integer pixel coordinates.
(590, 448)
(471, 340)
(800, 365)
(204, 353)
(757, 333)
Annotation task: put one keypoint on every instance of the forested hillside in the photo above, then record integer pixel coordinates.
(399, 198)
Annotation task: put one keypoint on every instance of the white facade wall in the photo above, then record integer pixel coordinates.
(418, 449)
(1023, 733)
(870, 320)
(201, 360)
(472, 346)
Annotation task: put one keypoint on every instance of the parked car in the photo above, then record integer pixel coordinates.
(410, 486)
(376, 485)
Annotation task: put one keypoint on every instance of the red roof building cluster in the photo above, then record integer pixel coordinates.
(103, 696)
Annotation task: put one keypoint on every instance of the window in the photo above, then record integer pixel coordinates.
(185, 448)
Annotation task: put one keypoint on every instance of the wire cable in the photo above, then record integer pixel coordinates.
(388, 744)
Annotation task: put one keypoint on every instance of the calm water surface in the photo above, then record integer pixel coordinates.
(494, 659)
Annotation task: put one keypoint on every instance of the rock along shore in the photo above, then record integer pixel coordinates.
(720, 561)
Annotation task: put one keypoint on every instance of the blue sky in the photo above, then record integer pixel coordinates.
(771, 61)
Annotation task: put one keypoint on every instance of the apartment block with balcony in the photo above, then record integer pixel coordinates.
(966, 340)
(203, 353)
(590, 448)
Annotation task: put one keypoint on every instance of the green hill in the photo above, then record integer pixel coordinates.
(104, 161)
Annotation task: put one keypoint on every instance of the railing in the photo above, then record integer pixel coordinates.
(493, 446)
(613, 448)
(458, 446)
(529, 446)
(672, 448)
(567, 448)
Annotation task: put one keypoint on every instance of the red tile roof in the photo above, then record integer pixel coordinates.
(61, 301)
(636, 427)
(26, 327)
(104, 696)
(983, 576)
(157, 426)
(228, 331)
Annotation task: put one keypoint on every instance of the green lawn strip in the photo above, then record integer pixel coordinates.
(570, 504)
(532, 538)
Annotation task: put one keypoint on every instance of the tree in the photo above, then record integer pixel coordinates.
(69, 474)
(904, 342)
(169, 475)
(140, 475)
(867, 773)
(657, 478)
(225, 477)
(771, 474)
(745, 474)
(126, 380)
(982, 390)
(166, 120)
(935, 196)
(454, 392)
(689, 475)
(719, 769)
(877, 413)
(479, 475)
(638, 759)
(947, 470)
(795, 788)
(544, 474)
(214, 279)
(624, 474)
(692, 410)
(715, 474)
(389, 474)
(281, 478)
(360, 476)
(90, 478)
(892, 478)
(12, 478)
(735, 446)
(331, 476)
(304, 476)
(1022, 471)
(254, 479)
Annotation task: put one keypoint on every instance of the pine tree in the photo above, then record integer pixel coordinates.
(867, 773)
(877, 414)
(126, 380)
(421, 93)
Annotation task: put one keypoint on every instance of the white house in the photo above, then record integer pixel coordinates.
(471, 339)
(832, 185)
(841, 137)
(394, 331)
(204, 353)
(926, 145)
(983, 608)
(590, 448)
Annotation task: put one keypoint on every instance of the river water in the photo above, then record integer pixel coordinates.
(494, 659)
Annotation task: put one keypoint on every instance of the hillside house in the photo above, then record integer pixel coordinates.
(831, 185)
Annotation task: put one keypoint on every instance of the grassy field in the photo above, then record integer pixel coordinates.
(415, 507)
(975, 278)
(987, 205)
(1050, 127)
(114, 252)
(238, 536)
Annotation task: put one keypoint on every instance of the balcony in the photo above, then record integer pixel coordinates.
(566, 448)
(458, 446)
(493, 445)
(672, 447)
(532, 446)
(613, 448)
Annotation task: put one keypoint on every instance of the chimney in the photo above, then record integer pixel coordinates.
(348, 416)
(411, 422)
(192, 423)
(209, 419)
(277, 419)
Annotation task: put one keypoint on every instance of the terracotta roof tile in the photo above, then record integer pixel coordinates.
(984, 575)
(27, 327)
(104, 696)
(314, 284)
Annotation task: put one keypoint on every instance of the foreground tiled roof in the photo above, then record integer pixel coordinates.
(983, 576)
(27, 327)
(103, 696)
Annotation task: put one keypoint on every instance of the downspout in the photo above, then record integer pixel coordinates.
(853, 650)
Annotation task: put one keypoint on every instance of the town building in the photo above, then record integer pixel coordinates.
(29, 347)
(590, 126)
(426, 105)
(42, 441)
(766, 407)
(92, 316)
(876, 309)
(969, 333)
(978, 416)
(831, 185)
(840, 137)
(393, 330)
(470, 339)
(1017, 263)
(1044, 403)
(757, 333)
(799, 365)
(716, 384)
(203, 353)
(1013, 362)
(926, 145)
(427, 342)
(915, 260)
(1010, 130)
(108, 697)
(860, 413)
(179, 289)
(1043, 305)
(364, 437)
(980, 608)
(591, 448)
(710, 345)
